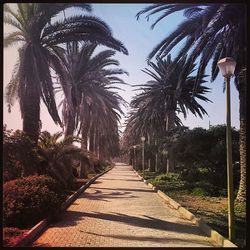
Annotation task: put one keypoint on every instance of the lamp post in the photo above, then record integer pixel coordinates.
(143, 164)
(134, 157)
(227, 67)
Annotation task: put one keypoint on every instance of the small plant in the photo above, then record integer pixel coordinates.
(240, 208)
(199, 192)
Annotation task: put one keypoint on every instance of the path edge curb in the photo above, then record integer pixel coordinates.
(211, 233)
(42, 225)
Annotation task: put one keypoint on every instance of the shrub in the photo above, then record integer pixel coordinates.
(207, 187)
(240, 208)
(30, 199)
(12, 235)
(168, 182)
(199, 192)
(19, 157)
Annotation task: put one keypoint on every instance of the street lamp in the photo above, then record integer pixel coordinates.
(227, 67)
(134, 156)
(143, 164)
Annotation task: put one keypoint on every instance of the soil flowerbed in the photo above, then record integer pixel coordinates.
(213, 210)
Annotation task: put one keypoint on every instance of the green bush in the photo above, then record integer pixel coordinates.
(19, 157)
(30, 199)
(199, 192)
(168, 182)
(240, 208)
(207, 187)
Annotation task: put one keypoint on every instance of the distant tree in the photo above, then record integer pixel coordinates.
(200, 150)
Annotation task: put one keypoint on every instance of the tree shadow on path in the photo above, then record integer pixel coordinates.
(152, 239)
(130, 189)
(71, 218)
(99, 195)
(119, 179)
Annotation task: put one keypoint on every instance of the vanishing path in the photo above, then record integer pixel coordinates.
(119, 210)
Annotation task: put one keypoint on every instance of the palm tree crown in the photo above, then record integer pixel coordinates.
(31, 80)
(162, 98)
(212, 31)
(91, 106)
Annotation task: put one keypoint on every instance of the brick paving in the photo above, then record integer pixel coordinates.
(119, 210)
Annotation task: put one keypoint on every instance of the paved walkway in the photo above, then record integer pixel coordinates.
(119, 210)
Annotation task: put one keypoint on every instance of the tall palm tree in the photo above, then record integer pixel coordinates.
(83, 71)
(31, 79)
(161, 98)
(94, 108)
(211, 31)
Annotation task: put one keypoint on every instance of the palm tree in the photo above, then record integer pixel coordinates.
(31, 79)
(105, 114)
(162, 99)
(94, 108)
(55, 156)
(211, 31)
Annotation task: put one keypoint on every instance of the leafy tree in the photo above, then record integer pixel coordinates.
(204, 159)
(31, 79)
(211, 32)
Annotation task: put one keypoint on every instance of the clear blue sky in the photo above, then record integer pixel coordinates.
(139, 39)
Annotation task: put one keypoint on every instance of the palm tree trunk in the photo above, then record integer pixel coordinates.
(84, 146)
(83, 167)
(70, 125)
(97, 147)
(149, 160)
(85, 131)
(31, 112)
(170, 125)
(91, 140)
(156, 157)
(241, 195)
(156, 162)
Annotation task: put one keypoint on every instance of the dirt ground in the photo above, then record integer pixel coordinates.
(214, 212)
(208, 204)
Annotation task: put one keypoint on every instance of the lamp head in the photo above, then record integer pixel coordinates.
(227, 66)
(143, 138)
